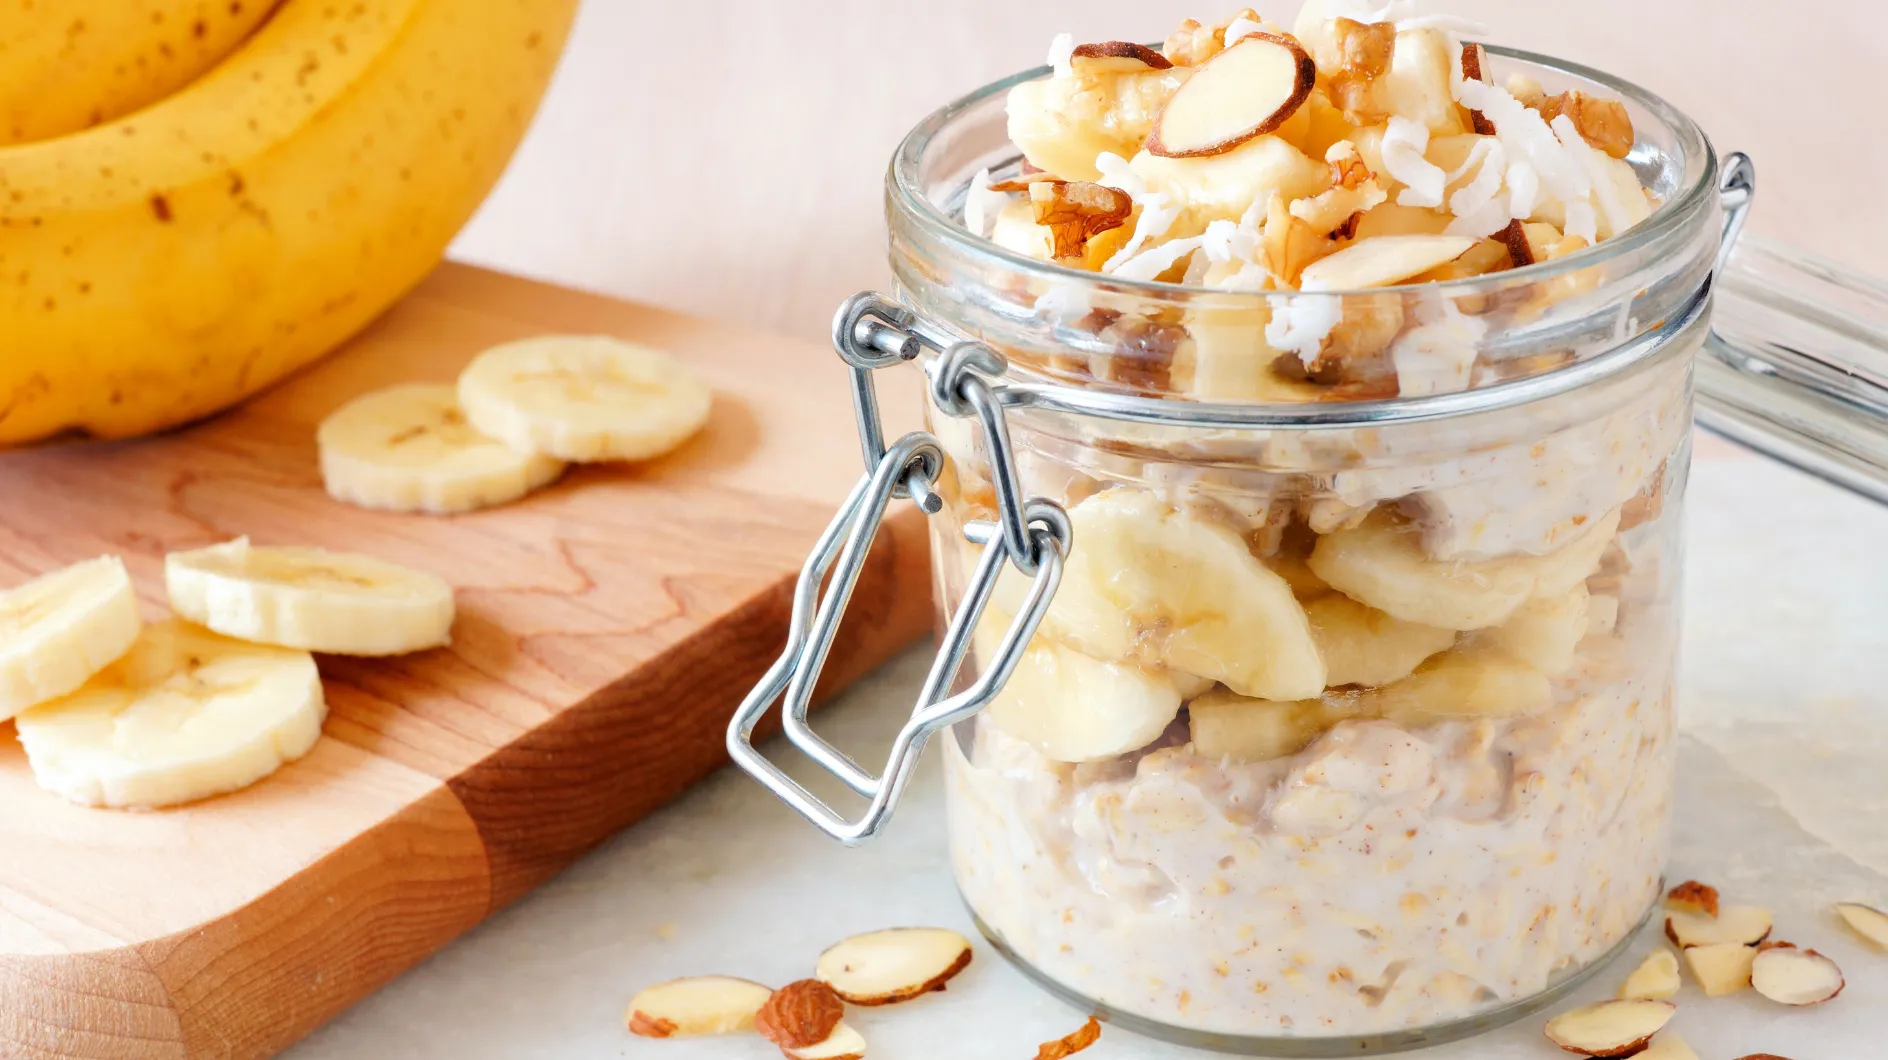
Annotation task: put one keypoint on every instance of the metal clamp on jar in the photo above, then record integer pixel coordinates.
(1311, 725)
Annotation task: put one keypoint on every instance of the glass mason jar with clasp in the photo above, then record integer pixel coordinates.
(1314, 714)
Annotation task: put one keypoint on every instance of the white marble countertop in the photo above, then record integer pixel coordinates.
(1783, 803)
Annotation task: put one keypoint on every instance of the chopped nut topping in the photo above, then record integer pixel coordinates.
(1075, 211)
(1289, 243)
(1191, 43)
(1603, 123)
(1071, 1044)
(1365, 51)
(1527, 90)
(1348, 169)
(1024, 182)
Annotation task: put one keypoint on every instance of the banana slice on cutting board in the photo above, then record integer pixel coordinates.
(310, 598)
(1227, 725)
(59, 629)
(1361, 645)
(1152, 584)
(1073, 708)
(584, 397)
(1381, 562)
(186, 714)
(410, 449)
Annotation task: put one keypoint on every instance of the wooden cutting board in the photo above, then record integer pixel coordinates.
(607, 627)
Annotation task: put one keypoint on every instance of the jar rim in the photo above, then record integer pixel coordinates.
(905, 193)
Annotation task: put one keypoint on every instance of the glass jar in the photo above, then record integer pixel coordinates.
(1294, 718)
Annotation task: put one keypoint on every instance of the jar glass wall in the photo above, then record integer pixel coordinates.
(1350, 724)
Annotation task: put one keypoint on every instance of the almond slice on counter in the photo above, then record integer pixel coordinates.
(1668, 1046)
(1610, 1028)
(1656, 978)
(1790, 976)
(1691, 896)
(844, 1043)
(1722, 967)
(701, 1005)
(1116, 56)
(1069, 1045)
(1745, 925)
(886, 967)
(1245, 91)
(1866, 921)
(1380, 261)
(1475, 68)
(800, 1014)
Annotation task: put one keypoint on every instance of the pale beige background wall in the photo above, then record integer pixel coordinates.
(724, 156)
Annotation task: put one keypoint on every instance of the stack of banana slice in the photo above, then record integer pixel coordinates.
(520, 411)
(114, 713)
(1161, 607)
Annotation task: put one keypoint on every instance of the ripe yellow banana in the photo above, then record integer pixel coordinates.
(71, 64)
(164, 265)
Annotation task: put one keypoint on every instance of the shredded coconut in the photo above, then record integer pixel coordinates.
(1117, 173)
(1151, 263)
(1582, 221)
(1478, 208)
(1557, 169)
(1065, 302)
(1481, 222)
(1404, 142)
(1224, 242)
(1524, 188)
(1061, 52)
(1300, 325)
(1617, 219)
(1436, 356)
(982, 205)
(1251, 276)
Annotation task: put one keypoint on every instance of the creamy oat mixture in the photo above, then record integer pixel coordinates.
(1337, 732)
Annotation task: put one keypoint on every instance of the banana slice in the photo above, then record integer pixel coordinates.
(1381, 563)
(1475, 682)
(59, 629)
(409, 449)
(310, 598)
(584, 397)
(1073, 708)
(1545, 631)
(1361, 645)
(1226, 725)
(1151, 584)
(1062, 123)
(186, 714)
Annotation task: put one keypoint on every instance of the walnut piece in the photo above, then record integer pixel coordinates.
(1191, 43)
(1075, 211)
(1365, 51)
(1603, 123)
(1289, 243)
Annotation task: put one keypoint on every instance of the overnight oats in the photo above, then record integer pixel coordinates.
(1350, 718)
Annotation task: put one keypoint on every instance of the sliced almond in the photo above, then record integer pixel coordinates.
(1866, 921)
(1116, 56)
(1656, 977)
(1475, 68)
(1245, 91)
(1668, 1046)
(1520, 251)
(1693, 897)
(1610, 1028)
(885, 967)
(800, 1014)
(1721, 967)
(844, 1043)
(1790, 976)
(1381, 261)
(1745, 925)
(1070, 1044)
(701, 1005)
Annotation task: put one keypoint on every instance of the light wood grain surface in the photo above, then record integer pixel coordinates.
(607, 627)
(725, 156)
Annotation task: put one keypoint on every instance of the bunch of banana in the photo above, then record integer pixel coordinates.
(166, 262)
(115, 713)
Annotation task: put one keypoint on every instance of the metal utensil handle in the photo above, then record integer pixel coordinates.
(871, 333)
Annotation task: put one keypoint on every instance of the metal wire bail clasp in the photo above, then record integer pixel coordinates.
(871, 333)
